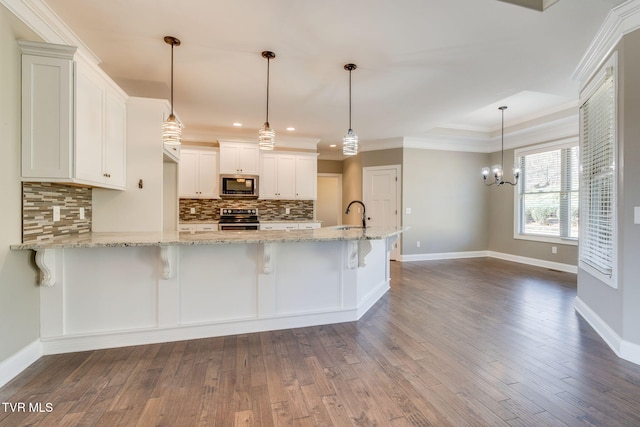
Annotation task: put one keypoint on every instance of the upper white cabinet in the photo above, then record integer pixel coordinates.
(198, 173)
(239, 158)
(73, 120)
(288, 176)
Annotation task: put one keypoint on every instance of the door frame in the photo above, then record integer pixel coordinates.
(395, 252)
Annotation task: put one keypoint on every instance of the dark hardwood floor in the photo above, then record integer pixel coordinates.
(476, 342)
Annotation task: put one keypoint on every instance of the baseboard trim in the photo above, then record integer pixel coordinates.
(443, 255)
(568, 268)
(74, 343)
(18, 362)
(624, 349)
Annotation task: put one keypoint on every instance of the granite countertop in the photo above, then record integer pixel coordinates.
(97, 240)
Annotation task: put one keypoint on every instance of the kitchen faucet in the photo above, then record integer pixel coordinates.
(364, 210)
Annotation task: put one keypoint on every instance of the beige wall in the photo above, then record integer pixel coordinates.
(19, 295)
(501, 222)
(448, 204)
(329, 166)
(351, 185)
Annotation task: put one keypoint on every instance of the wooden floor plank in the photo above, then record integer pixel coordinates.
(471, 342)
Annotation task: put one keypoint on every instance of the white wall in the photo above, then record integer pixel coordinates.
(19, 296)
(136, 209)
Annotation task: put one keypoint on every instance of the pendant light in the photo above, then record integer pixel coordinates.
(350, 140)
(496, 170)
(171, 128)
(266, 135)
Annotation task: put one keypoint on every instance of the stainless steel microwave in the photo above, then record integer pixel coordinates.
(239, 186)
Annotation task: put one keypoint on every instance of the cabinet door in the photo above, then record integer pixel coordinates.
(208, 175)
(268, 176)
(286, 182)
(188, 175)
(229, 158)
(115, 142)
(306, 177)
(47, 118)
(248, 159)
(89, 129)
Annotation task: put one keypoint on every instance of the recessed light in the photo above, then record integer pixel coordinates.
(237, 124)
(291, 128)
(333, 146)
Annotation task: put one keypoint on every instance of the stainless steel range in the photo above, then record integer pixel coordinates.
(238, 219)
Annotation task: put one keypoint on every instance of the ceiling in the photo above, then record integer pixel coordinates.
(422, 65)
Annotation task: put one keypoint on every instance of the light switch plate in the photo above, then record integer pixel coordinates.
(636, 215)
(56, 213)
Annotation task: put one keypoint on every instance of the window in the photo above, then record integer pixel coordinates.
(548, 199)
(598, 175)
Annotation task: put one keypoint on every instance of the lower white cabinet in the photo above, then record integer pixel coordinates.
(289, 225)
(198, 227)
(308, 225)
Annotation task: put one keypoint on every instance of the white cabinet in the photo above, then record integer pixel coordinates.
(73, 120)
(288, 176)
(279, 226)
(289, 225)
(198, 173)
(308, 225)
(239, 158)
(306, 177)
(198, 227)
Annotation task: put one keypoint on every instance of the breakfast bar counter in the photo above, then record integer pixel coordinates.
(101, 290)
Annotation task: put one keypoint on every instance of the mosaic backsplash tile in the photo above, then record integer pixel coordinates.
(38, 200)
(268, 210)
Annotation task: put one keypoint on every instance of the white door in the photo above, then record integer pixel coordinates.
(329, 203)
(381, 196)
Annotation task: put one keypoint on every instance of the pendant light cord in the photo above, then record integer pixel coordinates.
(268, 63)
(502, 150)
(349, 99)
(172, 78)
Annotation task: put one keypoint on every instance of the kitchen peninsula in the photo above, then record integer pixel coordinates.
(101, 290)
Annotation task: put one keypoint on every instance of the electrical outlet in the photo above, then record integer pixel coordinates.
(418, 244)
(287, 211)
(554, 249)
(193, 210)
(81, 213)
(408, 211)
(56, 213)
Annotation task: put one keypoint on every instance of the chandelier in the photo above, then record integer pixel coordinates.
(496, 170)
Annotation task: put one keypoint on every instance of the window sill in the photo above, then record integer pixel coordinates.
(546, 239)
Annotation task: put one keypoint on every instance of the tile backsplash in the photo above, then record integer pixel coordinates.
(269, 210)
(38, 201)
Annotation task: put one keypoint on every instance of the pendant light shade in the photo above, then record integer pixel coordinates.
(350, 140)
(496, 170)
(171, 128)
(266, 135)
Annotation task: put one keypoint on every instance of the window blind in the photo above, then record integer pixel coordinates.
(597, 178)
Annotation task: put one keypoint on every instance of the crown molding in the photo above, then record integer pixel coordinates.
(565, 127)
(212, 135)
(621, 20)
(46, 24)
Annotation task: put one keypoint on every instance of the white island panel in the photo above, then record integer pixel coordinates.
(308, 277)
(217, 283)
(109, 289)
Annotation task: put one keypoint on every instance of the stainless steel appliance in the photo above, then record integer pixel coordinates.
(238, 219)
(239, 186)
